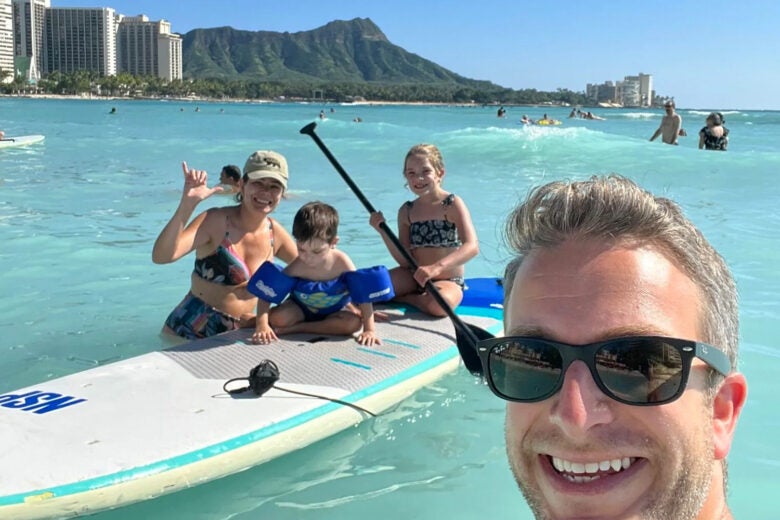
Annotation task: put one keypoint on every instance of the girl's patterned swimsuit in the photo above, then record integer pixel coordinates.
(434, 233)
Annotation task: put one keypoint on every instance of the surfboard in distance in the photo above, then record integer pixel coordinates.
(21, 140)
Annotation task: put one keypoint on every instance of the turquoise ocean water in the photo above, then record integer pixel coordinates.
(79, 214)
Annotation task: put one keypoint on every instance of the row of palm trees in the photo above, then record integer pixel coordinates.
(129, 85)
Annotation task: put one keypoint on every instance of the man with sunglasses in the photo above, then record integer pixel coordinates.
(619, 360)
(671, 125)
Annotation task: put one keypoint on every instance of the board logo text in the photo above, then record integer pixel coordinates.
(38, 401)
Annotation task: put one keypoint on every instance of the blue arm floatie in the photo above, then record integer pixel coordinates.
(370, 285)
(269, 283)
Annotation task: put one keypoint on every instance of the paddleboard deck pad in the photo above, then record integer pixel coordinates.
(160, 422)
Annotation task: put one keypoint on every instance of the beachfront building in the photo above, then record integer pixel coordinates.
(606, 92)
(645, 89)
(148, 48)
(79, 38)
(29, 18)
(6, 41)
(632, 91)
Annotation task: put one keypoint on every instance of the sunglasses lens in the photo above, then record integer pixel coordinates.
(641, 371)
(525, 370)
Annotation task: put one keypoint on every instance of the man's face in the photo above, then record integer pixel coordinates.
(582, 292)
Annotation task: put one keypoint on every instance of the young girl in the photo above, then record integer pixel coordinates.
(436, 229)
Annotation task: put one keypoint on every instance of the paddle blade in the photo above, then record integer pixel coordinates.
(309, 129)
(468, 348)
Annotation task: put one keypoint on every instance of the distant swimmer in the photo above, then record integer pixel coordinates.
(2, 135)
(501, 112)
(113, 110)
(197, 109)
(547, 121)
(322, 114)
(591, 115)
(526, 120)
(573, 113)
(670, 126)
(358, 120)
(230, 179)
(714, 136)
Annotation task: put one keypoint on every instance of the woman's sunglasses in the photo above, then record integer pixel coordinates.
(639, 370)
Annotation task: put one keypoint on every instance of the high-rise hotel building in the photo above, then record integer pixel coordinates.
(148, 48)
(29, 17)
(6, 41)
(37, 39)
(81, 38)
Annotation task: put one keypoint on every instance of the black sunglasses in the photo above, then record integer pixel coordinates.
(637, 370)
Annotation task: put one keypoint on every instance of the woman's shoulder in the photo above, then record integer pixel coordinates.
(221, 211)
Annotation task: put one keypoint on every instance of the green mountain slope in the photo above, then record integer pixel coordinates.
(342, 51)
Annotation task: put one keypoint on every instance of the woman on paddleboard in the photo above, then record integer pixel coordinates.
(229, 242)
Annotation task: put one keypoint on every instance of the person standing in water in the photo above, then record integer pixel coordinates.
(671, 125)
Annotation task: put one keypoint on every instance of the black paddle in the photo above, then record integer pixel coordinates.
(466, 335)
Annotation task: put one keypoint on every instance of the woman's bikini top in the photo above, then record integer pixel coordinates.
(225, 266)
(433, 233)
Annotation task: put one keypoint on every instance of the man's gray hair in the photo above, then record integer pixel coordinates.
(614, 208)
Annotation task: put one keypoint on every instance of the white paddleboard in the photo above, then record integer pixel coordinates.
(21, 140)
(160, 422)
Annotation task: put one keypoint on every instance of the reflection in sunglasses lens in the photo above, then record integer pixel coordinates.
(525, 371)
(640, 371)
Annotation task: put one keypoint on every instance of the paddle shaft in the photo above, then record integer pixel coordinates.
(429, 286)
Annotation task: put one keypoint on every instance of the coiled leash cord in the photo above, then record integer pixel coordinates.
(264, 376)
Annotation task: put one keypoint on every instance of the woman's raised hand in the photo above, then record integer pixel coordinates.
(195, 184)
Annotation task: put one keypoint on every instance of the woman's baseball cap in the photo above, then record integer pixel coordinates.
(267, 164)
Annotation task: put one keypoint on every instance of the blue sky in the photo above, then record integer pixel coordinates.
(715, 54)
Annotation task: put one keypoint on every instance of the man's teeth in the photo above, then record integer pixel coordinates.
(580, 468)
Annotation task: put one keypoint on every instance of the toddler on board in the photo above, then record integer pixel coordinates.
(322, 283)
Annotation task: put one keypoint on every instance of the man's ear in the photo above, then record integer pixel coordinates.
(334, 241)
(726, 408)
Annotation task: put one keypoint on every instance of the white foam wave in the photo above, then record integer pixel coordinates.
(638, 115)
(708, 112)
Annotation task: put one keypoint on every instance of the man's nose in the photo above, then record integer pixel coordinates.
(580, 404)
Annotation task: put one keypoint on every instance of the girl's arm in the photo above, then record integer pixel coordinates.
(403, 235)
(469, 246)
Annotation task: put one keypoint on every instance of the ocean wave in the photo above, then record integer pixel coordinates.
(708, 112)
(638, 115)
